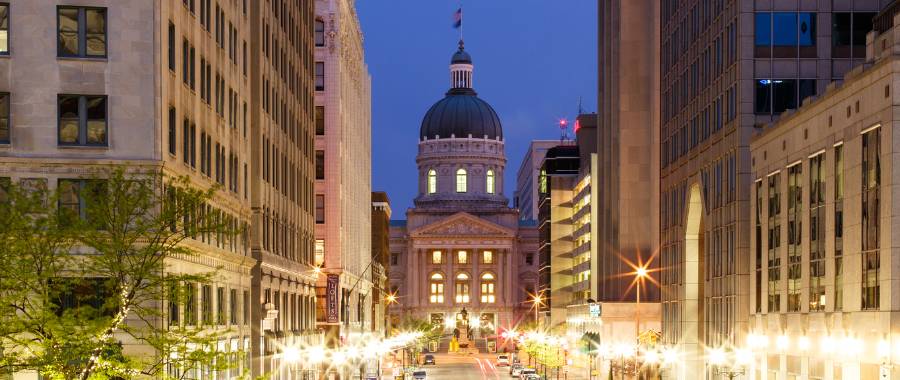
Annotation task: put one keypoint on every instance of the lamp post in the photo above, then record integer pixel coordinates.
(537, 300)
(641, 274)
(741, 358)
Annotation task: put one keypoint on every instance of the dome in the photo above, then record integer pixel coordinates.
(461, 57)
(461, 113)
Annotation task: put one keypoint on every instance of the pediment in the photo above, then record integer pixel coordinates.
(461, 225)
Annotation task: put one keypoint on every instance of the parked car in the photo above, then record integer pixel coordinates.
(429, 359)
(523, 374)
(533, 376)
(515, 369)
(419, 374)
(502, 361)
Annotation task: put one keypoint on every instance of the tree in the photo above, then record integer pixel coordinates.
(430, 332)
(85, 273)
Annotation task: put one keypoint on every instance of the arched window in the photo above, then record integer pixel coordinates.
(320, 32)
(432, 181)
(462, 288)
(437, 288)
(490, 181)
(461, 179)
(487, 288)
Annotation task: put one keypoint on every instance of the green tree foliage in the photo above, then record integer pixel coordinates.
(84, 277)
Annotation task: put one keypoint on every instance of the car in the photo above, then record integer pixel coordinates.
(429, 359)
(502, 361)
(419, 374)
(515, 369)
(523, 374)
(533, 376)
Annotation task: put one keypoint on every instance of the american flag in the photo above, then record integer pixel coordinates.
(457, 19)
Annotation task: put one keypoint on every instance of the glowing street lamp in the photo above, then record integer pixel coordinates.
(537, 300)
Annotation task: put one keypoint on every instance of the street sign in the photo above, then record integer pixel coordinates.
(594, 309)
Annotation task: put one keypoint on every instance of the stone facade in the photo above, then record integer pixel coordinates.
(726, 67)
(171, 73)
(823, 303)
(344, 159)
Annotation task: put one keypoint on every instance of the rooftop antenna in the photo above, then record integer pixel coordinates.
(580, 109)
(563, 131)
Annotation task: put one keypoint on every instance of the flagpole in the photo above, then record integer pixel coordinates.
(460, 21)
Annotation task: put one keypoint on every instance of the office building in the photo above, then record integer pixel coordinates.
(525, 197)
(727, 66)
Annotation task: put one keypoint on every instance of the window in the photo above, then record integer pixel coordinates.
(759, 245)
(320, 164)
(462, 288)
(529, 259)
(437, 257)
(871, 215)
(171, 46)
(320, 32)
(320, 76)
(838, 227)
(395, 258)
(487, 257)
(82, 120)
(816, 233)
(190, 304)
(785, 35)
(320, 121)
(320, 209)
(489, 180)
(848, 33)
(462, 257)
(773, 244)
(320, 253)
(774, 96)
(4, 29)
(220, 306)
(174, 306)
(432, 181)
(4, 118)
(206, 305)
(172, 132)
(81, 32)
(461, 181)
(542, 182)
(78, 196)
(794, 226)
(233, 306)
(487, 288)
(436, 285)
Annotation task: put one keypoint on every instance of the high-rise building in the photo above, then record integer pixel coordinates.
(627, 147)
(821, 299)
(279, 116)
(525, 197)
(343, 190)
(182, 87)
(727, 66)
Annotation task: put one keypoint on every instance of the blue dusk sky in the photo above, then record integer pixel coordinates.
(533, 60)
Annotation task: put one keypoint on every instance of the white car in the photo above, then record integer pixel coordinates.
(502, 361)
(523, 374)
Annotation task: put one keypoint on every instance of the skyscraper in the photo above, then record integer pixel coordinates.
(727, 66)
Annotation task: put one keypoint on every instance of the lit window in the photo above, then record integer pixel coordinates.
(461, 181)
(320, 252)
(542, 182)
(490, 181)
(436, 257)
(432, 181)
(437, 288)
(487, 257)
(487, 288)
(462, 257)
(462, 288)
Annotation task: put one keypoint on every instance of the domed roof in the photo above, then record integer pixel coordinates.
(461, 113)
(461, 56)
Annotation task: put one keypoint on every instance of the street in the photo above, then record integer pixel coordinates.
(453, 366)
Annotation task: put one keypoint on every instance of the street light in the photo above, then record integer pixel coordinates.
(537, 300)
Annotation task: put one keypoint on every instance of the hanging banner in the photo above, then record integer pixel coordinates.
(331, 298)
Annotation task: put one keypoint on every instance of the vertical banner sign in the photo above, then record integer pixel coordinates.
(331, 298)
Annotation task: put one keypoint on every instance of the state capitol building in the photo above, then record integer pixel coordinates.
(461, 245)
